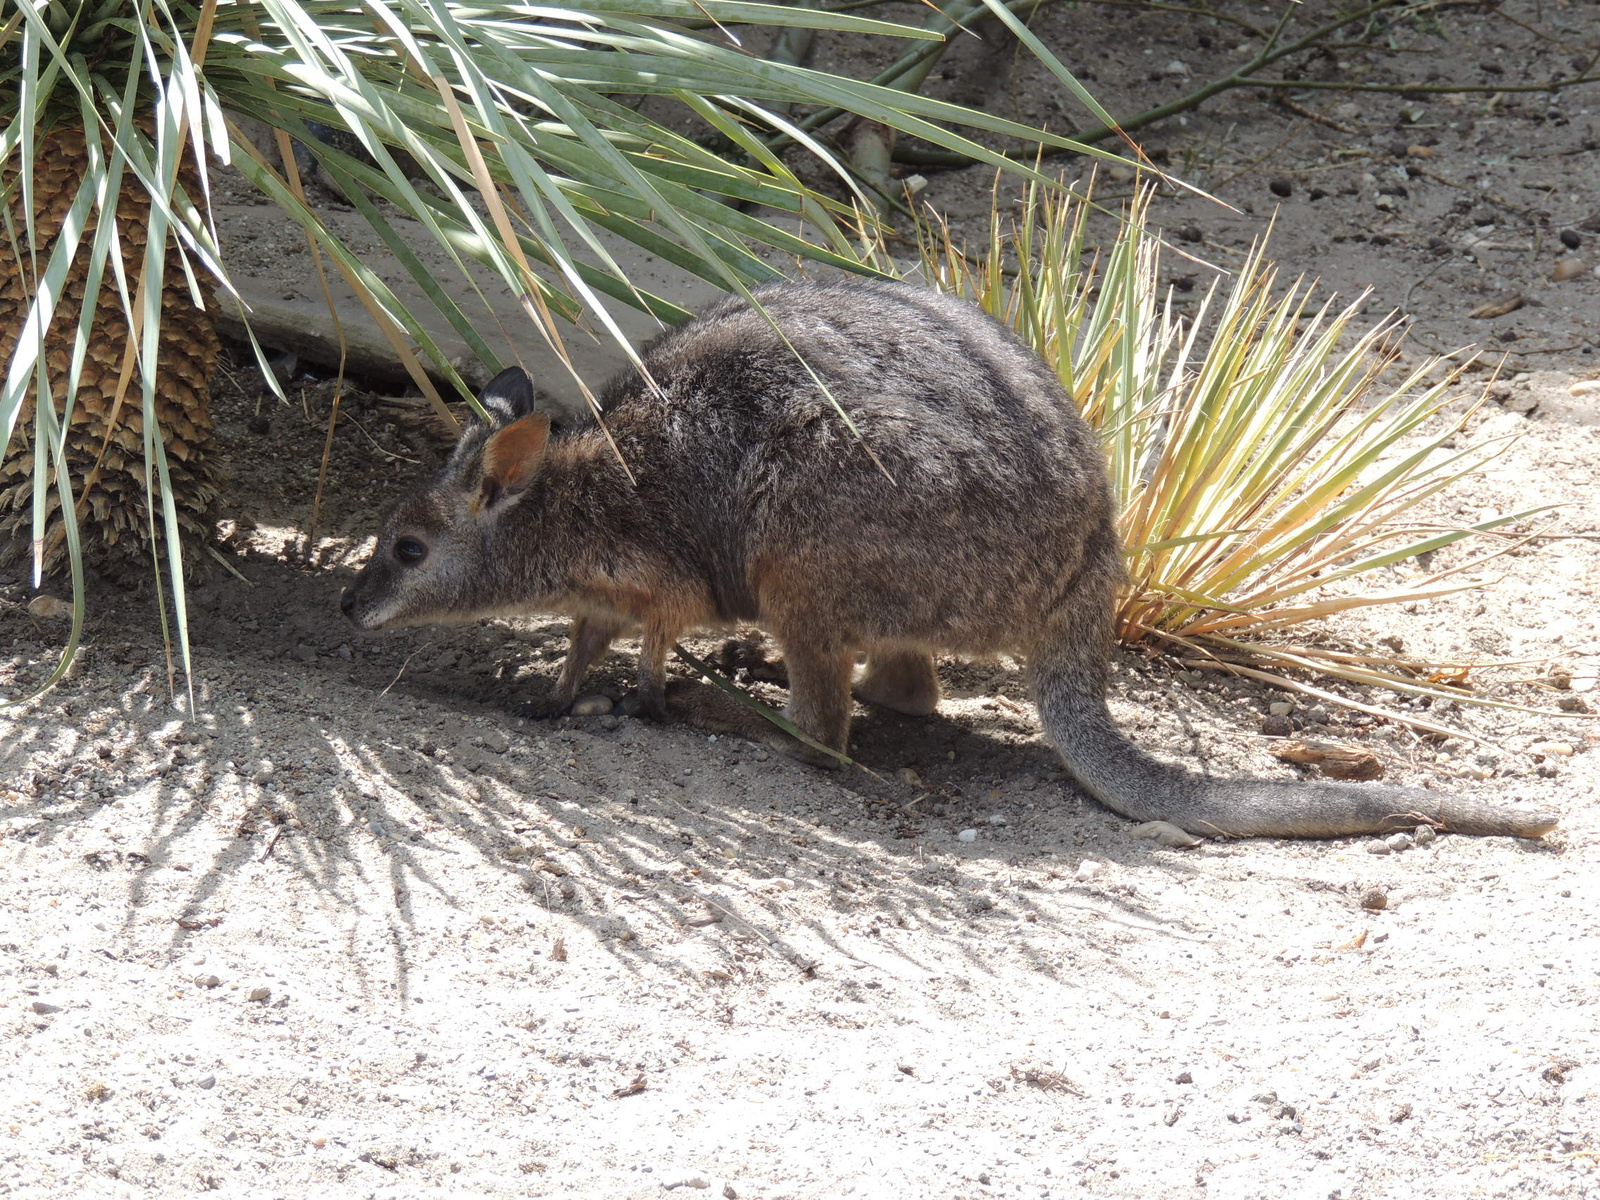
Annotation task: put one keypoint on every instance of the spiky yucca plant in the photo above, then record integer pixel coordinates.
(1263, 474)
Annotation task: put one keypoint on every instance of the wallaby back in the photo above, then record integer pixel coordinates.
(967, 511)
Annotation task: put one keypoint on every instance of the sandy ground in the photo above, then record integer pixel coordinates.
(352, 930)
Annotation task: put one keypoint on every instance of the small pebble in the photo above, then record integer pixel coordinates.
(207, 981)
(496, 741)
(967, 835)
(1088, 869)
(1377, 848)
(908, 777)
(995, 819)
(1280, 708)
(592, 706)
(206, 1084)
(1374, 900)
(1552, 749)
(1398, 842)
(259, 995)
(1568, 268)
(49, 608)
(1424, 835)
(1276, 726)
(1570, 239)
(44, 1008)
(1281, 187)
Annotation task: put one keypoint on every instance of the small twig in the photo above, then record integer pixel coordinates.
(1544, 537)
(1301, 110)
(1549, 349)
(397, 674)
(228, 566)
(1334, 698)
(1405, 301)
(734, 917)
(1538, 33)
(1436, 89)
(271, 842)
(383, 450)
(1294, 132)
(1186, 10)
(1243, 78)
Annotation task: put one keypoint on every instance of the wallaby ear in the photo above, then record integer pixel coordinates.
(508, 397)
(511, 457)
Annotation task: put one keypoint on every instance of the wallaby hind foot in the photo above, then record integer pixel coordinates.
(708, 709)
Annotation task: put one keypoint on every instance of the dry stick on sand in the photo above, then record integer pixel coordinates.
(1244, 77)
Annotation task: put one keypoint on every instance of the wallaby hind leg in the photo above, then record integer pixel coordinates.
(707, 708)
(590, 638)
(901, 679)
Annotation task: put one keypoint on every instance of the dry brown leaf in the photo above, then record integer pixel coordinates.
(632, 1088)
(1334, 761)
(1354, 943)
(1498, 308)
(558, 952)
(1457, 678)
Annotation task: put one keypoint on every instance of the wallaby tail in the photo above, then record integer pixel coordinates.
(1126, 780)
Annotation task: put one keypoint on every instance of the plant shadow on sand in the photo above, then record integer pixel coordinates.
(636, 831)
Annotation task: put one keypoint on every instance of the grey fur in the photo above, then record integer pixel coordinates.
(754, 501)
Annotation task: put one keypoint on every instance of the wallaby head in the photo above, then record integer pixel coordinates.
(434, 560)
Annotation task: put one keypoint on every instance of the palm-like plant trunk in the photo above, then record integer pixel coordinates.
(105, 441)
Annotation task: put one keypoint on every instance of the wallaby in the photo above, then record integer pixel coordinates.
(968, 512)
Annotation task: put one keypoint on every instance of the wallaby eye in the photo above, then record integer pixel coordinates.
(409, 550)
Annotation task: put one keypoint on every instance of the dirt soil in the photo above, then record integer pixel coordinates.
(351, 929)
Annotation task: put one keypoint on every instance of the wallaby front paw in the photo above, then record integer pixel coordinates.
(807, 754)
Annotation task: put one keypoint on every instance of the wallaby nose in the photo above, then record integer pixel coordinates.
(347, 602)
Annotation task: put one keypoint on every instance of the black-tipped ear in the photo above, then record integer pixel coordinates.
(508, 397)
